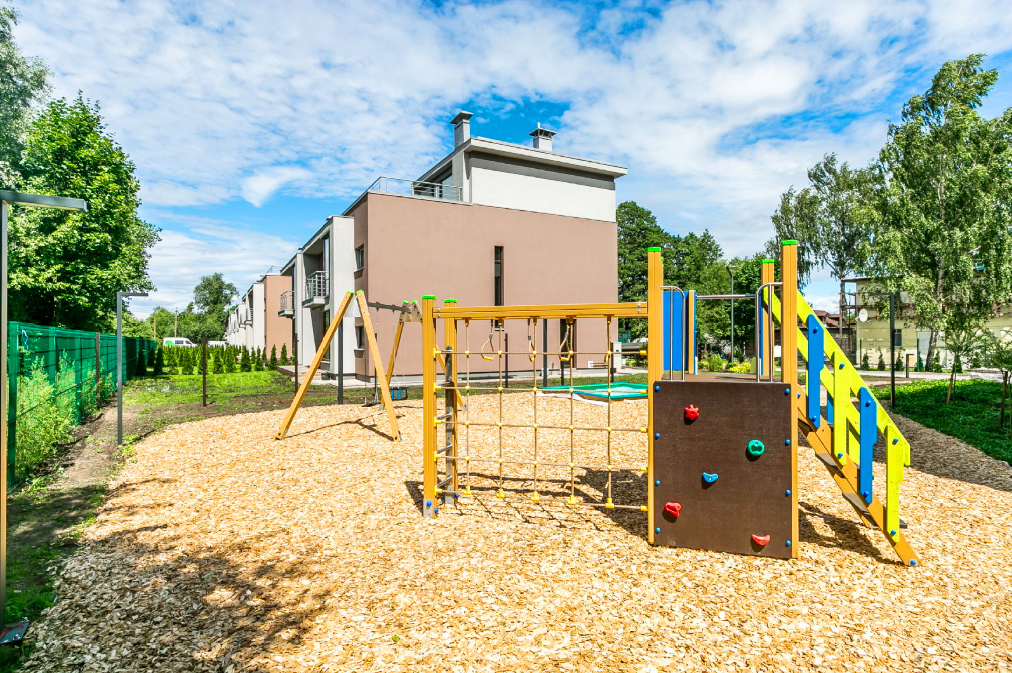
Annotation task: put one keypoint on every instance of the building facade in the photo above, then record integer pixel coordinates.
(257, 321)
(492, 223)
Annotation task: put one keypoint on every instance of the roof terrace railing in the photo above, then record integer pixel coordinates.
(432, 190)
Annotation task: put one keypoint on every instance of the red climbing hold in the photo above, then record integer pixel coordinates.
(691, 413)
(673, 508)
(763, 541)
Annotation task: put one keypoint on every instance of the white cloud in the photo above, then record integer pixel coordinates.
(715, 107)
(196, 247)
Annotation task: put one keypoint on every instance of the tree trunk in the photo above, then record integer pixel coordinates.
(840, 331)
(929, 358)
(952, 382)
(1004, 393)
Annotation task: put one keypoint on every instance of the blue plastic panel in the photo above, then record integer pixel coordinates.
(674, 330)
(816, 363)
(868, 437)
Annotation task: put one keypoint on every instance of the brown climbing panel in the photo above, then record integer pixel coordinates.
(752, 496)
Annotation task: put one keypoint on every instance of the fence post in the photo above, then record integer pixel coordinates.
(295, 362)
(13, 372)
(98, 368)
(203, 368)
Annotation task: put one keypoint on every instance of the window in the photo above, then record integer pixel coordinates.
(359, 337)
(898, 338)
(497, 275)
(360, 258)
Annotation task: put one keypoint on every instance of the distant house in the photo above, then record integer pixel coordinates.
(872, 335)
(256, 322)
(491, 223)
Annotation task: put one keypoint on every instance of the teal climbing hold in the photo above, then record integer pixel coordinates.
(756, 448)
(709, 478)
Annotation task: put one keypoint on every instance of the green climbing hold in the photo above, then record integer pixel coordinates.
(756, 448)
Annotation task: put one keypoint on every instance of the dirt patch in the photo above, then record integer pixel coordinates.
(221, 549)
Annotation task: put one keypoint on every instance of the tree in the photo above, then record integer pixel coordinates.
(141, 366)
(961, 343)
(832, 220)
(23, 85)
(945, 237)
(244, 361)
(999, 356)
(274, 357)
(284, 355)
(212, 298)
(217, 367)
(159, 367)
(66, 267)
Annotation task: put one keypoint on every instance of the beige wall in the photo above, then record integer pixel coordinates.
(277, 329)
(418, 246)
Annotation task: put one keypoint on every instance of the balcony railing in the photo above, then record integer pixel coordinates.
(317, 285)
(247, 316)
(287, 304)
(432, 190)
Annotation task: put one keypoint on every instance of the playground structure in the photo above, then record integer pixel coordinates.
(717, 454)
(382, 378)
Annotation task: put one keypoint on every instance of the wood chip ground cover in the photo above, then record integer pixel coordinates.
(222, 549)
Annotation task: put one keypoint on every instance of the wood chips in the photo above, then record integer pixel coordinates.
(222, 549)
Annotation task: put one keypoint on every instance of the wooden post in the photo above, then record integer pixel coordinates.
(393, 351)
(203, 369)
(655, 336)
(314, 365)
(429, 391)
(767, 274)
(789, 364)
(381, 375)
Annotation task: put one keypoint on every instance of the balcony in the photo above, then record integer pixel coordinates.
(286, 307)
(428, 190)
(317, 290)
(247, 316)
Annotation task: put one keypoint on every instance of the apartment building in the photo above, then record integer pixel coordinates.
(256, 321)
(872, 335)
(492, 223)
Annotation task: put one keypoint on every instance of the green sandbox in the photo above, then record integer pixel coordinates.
(619, 391)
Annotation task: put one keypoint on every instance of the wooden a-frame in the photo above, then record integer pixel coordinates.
(381, 375)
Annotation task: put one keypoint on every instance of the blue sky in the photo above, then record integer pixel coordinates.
(251, 121)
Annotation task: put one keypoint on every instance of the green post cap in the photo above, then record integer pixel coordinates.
(451, 301)
(428, 296)
(789, 243)
(657, 249)
(360, 292)
(769, 261)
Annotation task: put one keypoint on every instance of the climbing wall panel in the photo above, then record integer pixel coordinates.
(723, 467)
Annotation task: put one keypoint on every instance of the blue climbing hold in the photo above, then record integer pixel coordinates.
(709, 478)
(657, 530)
(787, 391)
(657, 483)
(657, 435)
(787, 442)
(787, 492)
(787, 543)
(657, 388)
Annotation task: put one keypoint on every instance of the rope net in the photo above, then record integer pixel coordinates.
(504, 438)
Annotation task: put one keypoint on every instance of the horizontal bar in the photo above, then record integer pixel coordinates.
(58, 202)
(553, 501)
(620, 310)
(725, 296)
(389, 307)
(540, 427)
(614, 468)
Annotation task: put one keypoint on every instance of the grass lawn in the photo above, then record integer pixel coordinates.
(972, 416)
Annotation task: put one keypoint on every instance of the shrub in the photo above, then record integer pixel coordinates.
(140, 364)
(217, 367)
(42, 422)
(244, 361)
(274, 357)
(864, 361)
(958, 366)
(712, 363)
(920, 362)
(284, 355)
(898, 365)
(881, 362)
(159, 367)
(186, 355)
(229, 361)
(741, 368)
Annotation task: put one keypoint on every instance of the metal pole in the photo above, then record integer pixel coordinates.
(731, 273)
(340, 362)
(4, 383)
(98, 366)
(119, 369)
(295, 362)
(544, 352)
(892, 351)
(507, 359)
(203, 357)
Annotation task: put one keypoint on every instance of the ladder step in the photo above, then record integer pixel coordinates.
(857, 502)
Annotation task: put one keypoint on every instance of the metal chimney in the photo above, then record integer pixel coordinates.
(461, 128)
(542, 138)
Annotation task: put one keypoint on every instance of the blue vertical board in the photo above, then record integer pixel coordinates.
(674, 332)
(816, 362)
(868, 436)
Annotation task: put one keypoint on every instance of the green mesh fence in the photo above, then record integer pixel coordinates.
(58, 377)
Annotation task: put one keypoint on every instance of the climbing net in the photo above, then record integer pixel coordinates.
(511, 434)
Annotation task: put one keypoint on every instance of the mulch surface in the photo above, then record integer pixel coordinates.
(221, 549)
